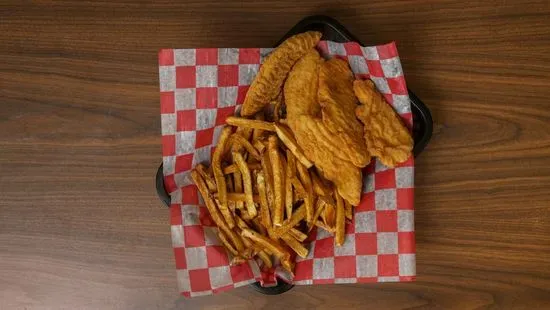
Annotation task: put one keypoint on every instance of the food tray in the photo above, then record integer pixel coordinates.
(332, 30)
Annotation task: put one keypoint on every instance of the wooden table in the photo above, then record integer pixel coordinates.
(81, 225)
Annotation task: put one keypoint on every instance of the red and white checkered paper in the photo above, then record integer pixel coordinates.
(200, 88)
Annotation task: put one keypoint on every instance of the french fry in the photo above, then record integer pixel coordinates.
(238, 187)
(247, 184)
(225, 213)
(258, 132)
(226, 243)
(289, 197)
(265, 259)
(219, 176)
(297, 216)
(298, 187)
(268, 177)
(250, 123)
(245, 132)
(239, 197)
(340, 221)
(201, 169)
(234, 168)
(241, 223)
(300, 236)
(329, 215)
(259, 146)
(278, 189)
(319, 187)
(348, 210)
(267, 243)
(239, 140)
(285, 134)
(320, 206)
(295, 245)
(213, 210)
(324, 226)
(229, 182)
(265, 217)
(308, 200)
(258, 225)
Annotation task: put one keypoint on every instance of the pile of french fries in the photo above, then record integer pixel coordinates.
(264, 195)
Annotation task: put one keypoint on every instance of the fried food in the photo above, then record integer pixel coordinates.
(267, 243)
(385, 135)
(305, 178)
(219, 176)
(278, 180)
(288, 139)
(247, 183)
(213, 210)
(302, 85)
(296, 155)
(265, 216)
(274, 70)
(239, 142)
(207, 177)
(338, 104)
(340, 221)
(250, 123)
(316, 145)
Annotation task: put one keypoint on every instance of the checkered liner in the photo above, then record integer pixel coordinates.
(199, 89)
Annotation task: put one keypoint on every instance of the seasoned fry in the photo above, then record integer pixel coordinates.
(308, 200)
(207, 178)
(256, 223)
(278, 189)
(241, 223)
(245, 132)
(250, 123)
(247, 184)
(300, 190)
(214, 213)
(226, 243)
(239, 197)
(324, 226)
(225, 213)
(340, 221)
(285, 134)
(268, 177)
(329, 215)
(238, 140)
(289, 197)
(229, 182)
(319, 187)
(348, 210)
(295, 245)
(265, 217)
(297, 216)
(259, 146)
(238, 188)
(318, 211)
(265, 259)
(267, 243)
(219, 176)
(234, 168)
(300, 236)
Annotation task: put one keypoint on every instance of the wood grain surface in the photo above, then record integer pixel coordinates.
(80, 223)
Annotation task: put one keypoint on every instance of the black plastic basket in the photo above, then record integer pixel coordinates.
(332, 30)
